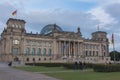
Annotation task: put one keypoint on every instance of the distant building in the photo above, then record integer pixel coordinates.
(52, 44)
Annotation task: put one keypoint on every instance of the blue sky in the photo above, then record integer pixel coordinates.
(66, 4)
(68, 14)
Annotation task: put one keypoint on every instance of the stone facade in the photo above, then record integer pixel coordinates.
(51, 45)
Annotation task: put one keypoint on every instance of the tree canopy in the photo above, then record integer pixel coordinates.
(115, 54)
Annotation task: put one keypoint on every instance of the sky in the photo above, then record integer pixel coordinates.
(68, 14)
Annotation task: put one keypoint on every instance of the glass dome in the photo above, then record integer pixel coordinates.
(49, 28)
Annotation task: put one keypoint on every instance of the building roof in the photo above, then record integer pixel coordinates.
(11, 19)
(99, 32)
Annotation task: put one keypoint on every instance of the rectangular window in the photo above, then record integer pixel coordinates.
(15, 51)
(44, 52)
(33, 51)
(39, 51)
(49, 52)
(27, 51)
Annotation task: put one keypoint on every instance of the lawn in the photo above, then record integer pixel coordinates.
(41, 68)
(72, 74)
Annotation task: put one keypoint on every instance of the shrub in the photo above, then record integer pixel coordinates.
(66, 65)
(106, 68)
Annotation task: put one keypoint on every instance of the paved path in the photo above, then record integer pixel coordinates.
(7, 73)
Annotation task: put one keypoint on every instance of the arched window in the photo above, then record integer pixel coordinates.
(27, 51)
(86, 53)
(15, 51)
(33, 51)
(39, 51)
(90, 53)
(49, 52)
(44, 52)
(27, 59)
(93, 53)
(33, 59)
(39, 59)
(96, 53)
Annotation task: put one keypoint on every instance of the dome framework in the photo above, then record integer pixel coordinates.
(49, 28)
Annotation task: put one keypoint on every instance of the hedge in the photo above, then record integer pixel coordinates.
(106, 68)
(66, 65)
(96, 67)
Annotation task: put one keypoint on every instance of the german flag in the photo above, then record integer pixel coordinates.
(14, 13)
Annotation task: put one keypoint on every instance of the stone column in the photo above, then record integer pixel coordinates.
(74, 49)
(100, 49)
(107, 49)
(64, 48)
(60, 48)
(78, 49)
(54, 48)
(69, 48)
(57, 48)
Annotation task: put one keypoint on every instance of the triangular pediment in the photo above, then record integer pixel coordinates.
(70, 35)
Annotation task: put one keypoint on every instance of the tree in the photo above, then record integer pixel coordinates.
(117, 55)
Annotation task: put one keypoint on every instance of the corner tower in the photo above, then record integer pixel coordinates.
(99, 36)
(12, 39)
(15, 25)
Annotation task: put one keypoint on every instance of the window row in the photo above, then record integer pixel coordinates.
(88, 46)
(103, 47)
(91, 53)
(39, 59)
(38, 43)
(16, 26)
(39, 51)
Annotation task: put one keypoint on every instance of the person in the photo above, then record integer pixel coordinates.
(81, 65)
(76, 65)
(84, 65)
(10, 63)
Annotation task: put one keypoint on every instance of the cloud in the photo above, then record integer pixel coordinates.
(103, 17)
(5, 12)
(66, 19)
(113, 10)
(7, 7)
(67, 14)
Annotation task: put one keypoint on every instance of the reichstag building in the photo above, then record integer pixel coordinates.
(52, 44)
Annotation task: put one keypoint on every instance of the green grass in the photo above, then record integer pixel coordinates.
(89, 75)
(40, 68)
(73, 75)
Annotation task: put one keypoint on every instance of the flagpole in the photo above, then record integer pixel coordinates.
(114, 51)
(113, 46)
(16, 14)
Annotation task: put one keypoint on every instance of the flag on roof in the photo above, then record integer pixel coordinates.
(14, 13)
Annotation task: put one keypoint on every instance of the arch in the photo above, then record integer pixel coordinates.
(44, 52)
